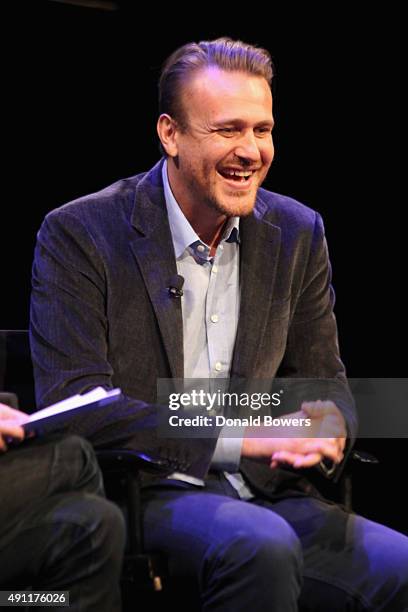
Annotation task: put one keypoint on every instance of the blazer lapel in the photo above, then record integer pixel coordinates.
(154, 252)
(259, 253)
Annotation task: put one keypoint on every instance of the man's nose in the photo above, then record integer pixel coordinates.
(247, 147)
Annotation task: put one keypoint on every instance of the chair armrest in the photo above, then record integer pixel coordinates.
(121, 471)
(10, 399)
(124, 459)
(363, 456)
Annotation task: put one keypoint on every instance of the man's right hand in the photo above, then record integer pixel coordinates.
(10, 425)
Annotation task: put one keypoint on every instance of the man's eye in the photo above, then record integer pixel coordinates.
(227, 131)
(264, 131)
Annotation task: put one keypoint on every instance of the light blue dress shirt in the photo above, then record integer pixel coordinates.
(210, 309)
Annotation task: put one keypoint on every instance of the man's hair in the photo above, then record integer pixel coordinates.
(224, 53)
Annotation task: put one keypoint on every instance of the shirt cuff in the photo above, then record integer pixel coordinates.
(186, 478)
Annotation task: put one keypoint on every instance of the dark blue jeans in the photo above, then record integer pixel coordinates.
(299, 553)
(57, 532)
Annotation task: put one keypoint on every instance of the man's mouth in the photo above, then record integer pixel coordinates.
(238, 176)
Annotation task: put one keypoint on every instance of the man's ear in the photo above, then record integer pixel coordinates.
(167, 131)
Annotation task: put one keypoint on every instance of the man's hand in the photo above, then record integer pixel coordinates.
(10, 425)
(325, 439)
(328, 425)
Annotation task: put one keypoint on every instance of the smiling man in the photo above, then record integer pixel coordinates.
(221, 148)
(238, 516)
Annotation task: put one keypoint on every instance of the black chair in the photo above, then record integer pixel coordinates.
(16, 370)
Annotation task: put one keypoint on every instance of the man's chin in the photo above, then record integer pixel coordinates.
(235, 206)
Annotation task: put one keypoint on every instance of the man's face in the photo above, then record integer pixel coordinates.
(225, 152)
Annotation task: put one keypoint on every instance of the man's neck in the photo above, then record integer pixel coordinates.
(207, 223)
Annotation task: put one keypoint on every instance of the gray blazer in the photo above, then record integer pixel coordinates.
(101, 313)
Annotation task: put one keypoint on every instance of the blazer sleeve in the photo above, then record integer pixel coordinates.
(312, 349)
(68, 337)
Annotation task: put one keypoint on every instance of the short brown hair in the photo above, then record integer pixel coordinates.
(225, 53)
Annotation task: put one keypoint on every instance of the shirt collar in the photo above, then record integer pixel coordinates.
(182, 233)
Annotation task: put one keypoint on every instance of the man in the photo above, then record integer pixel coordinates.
(57, 533)
(236, 515)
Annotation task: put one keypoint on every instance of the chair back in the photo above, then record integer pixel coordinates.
(16, 369)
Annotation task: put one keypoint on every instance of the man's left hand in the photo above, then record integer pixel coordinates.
(327, 423)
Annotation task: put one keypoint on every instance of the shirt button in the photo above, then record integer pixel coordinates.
(201, 248)
(214, 318)
(214, 269)
(218, 366)
(221, 247)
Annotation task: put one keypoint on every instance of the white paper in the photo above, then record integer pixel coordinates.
(75, 401)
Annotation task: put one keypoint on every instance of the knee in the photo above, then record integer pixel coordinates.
(97, 527)
(76, 457)
(278, 550)
(256, 563)
(266, 546)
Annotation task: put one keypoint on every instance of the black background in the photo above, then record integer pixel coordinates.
(80, 113)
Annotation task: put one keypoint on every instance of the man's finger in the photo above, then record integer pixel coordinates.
(308, 460)
(10, 429)
(324, 447)
(292, 458)
(297, 460)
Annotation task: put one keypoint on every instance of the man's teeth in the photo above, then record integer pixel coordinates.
(238, 172)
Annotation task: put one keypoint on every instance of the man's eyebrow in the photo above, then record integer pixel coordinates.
(267, 123)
